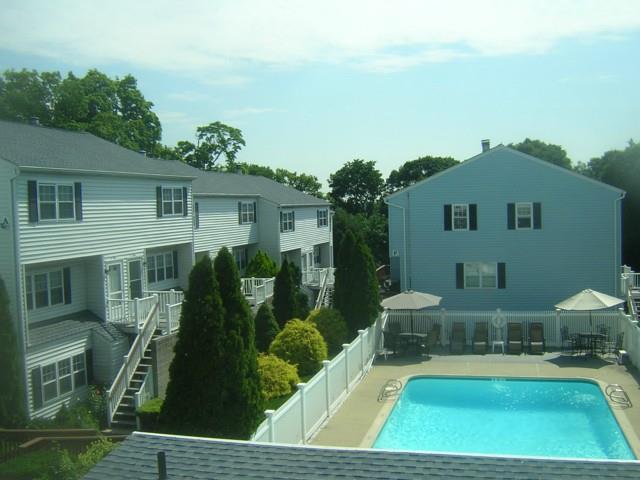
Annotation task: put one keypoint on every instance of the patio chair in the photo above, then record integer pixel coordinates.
(458, 338)
(392, 337)
(536, 338)
(514, 337)
(433, 337)
(615, 347)
(481, 338)
(569, 341)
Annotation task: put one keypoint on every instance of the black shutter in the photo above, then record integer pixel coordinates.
(36, 388)
(185, 202)
(447, 217)
(88, 361)
(175, 264)
(502, 275)
(293, 220)
(255, 212)
(473, 216)
(77, 193)
(318, 218)
(66, 274)
(196, 214)
(537, 215)
(32, 192)
(281, 226)
(511, 216)
(459, 275)
(239, 213)
(158, 202)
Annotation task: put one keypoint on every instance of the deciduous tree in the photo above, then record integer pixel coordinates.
(356, 186)
(544, 151)
(415, 170)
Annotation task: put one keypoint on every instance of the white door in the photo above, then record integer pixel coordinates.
(116, 306)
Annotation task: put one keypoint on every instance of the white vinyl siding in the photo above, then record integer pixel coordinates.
(306, 233)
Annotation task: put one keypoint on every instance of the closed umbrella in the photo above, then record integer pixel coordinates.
(411, 300)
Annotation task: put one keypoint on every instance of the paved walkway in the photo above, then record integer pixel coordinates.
(359, 419)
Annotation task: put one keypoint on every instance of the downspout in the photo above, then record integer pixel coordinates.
(617, 243)
(404, 238)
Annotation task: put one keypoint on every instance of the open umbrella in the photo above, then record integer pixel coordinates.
(410, 300)
(588, 300)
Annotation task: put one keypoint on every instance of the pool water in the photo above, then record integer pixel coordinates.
(547, 418)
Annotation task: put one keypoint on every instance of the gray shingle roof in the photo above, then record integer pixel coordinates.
(236, 184)
(31, 146)
(199, 458)
(69, 326)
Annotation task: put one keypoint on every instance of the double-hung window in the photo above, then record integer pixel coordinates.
(287, 221)
(172, 201)
(460, 219)
(477, 275)
(59, 378)
(246, 212)
(162, 266)
(461, 216)
(47, 289)
(323, 217)
(56, 201)
(524, 216)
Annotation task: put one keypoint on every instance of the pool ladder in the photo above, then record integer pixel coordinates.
(617, 395)
(390, 389)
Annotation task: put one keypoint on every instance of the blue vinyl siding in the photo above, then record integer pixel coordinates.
(577, 247)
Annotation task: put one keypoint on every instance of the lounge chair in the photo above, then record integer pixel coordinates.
(458, 338)
(514, 337)
(392, 336)
(536, 338)
(481, 338)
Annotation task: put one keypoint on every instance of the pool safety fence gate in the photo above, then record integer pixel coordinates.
(302, 415)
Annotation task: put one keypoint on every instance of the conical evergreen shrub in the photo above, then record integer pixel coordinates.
(261, 266)
(284, 295)
(266, 327)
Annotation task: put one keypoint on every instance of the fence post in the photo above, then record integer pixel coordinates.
(327, 396)
(269, 414)
(136, 309)
(443, 318)
(361, 337)
(558, 327)
(169, 320)
(303, 425)
(345, 348)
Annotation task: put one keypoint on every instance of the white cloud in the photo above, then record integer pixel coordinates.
(205, 37)
(240, 112)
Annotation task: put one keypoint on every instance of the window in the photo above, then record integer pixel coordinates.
(47, 289)
(323, 218)
(162, 266)
(460, 219)
(49, 382)
(287, 221)
(241, 255)
(317, 257)
(79, 371)
(524, 214)
(476, 275)
(62, 377)
(55, 202)
(172, 201)
(246, 212)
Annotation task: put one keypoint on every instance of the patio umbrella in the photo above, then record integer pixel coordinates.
(588, 300)
(411, 300)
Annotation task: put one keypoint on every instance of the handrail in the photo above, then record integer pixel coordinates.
(323, 290)
(131, 361)
(173, 316)
(617, 395)
(257, 290)
(166, 297)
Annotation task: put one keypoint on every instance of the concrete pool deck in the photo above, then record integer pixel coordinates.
(357, 422)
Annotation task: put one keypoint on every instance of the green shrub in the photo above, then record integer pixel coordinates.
(97, 402)
(302, 305)
(76, 416)
(93, 454)
(266, 327)
(27, 466)
(261, 266)
(279, 378)
(331, 326)
(63, 466)
(148, 413)
(300, 344)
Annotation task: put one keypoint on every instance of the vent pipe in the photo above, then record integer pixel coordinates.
(34, 121)
(486, 145)
(162, 466)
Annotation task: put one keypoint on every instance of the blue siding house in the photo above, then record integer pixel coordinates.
(505, 230)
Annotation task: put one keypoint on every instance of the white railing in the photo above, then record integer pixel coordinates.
(130, 312)
(131, 361)
(257, 290)
(300, 417)
(146, 391)
(631, 339)
(166, 298)
(316, 275)
(327, 279)
(173, 316)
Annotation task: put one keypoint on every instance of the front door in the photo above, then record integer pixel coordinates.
(135, 279)
(115, 306)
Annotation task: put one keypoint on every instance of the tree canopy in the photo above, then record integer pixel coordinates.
(300, 181)
(213, 141)
(544, 151)
(415, 170)
(356, 186)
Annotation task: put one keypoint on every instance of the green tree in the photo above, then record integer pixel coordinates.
(26, 93)
(300, 344)
(279, 378)
(415, 170)
(356, 288)
(544, 151)
(372, 228)
(302, 182)
(241, 392)
(284, 295)
(213, 141)
(197, 370)
(356, 186)
(261, 266)
(12, 391)
(331, 326)
(266, 327)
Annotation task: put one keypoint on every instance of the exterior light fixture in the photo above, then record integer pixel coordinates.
(5, 223)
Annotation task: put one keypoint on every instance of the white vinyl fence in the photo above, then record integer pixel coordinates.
(314, 402)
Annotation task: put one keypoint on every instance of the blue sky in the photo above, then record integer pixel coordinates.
(314, 84)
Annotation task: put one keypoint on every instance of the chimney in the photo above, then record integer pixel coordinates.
(34, 121)
(162, 466)
(486, 145)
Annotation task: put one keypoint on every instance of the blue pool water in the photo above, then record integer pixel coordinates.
(548, 418)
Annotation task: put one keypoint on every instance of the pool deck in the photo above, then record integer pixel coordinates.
(357, 422)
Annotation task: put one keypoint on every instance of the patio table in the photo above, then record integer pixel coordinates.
(591, 342)
(415, 340)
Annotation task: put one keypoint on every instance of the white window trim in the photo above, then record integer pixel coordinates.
(29, 280)
(453, 216)
(480, 276)
(288, 218)
(57, 378)
(530, 205)
(57, 218)
(173, 201)
(155, 256)
(247, 213)
(323, 218)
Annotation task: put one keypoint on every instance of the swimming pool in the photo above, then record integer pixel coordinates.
(547, 418)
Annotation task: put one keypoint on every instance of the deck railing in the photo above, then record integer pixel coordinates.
(257, 290)
(131, 361)
(315, 275)
(302, 415)
(173, 316)
(166, 297)
(130, 312)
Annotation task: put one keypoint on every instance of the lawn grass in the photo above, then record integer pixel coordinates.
(27, 466)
